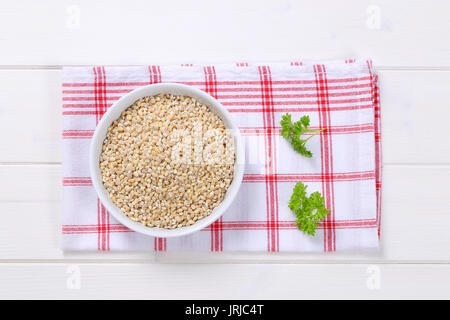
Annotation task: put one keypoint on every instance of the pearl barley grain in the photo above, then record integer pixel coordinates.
(167, 161)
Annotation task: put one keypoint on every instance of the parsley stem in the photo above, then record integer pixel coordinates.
(316, 132)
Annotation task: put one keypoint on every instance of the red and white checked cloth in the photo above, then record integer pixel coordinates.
(341, 96)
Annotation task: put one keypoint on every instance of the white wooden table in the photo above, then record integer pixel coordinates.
(409, 44)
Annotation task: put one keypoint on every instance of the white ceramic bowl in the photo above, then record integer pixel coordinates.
(114, 113)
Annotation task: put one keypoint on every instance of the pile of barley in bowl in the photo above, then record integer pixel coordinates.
(167, 161)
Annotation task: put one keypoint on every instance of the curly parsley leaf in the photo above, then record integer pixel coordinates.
(294, 131)
(308, 210)
(305, 121)
(286, 126)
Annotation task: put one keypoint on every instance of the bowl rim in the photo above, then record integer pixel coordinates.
(114, 113)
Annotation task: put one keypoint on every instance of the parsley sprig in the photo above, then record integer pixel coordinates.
(293, 131)
(309, 210)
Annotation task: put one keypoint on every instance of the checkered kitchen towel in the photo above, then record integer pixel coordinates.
(341, 96)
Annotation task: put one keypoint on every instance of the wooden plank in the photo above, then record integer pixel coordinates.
(30, 184)
(415, 219)
(393, 33)
(30, 116)
(215, 281)
(414, 116)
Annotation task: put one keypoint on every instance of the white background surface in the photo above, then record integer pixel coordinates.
(409, 44)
